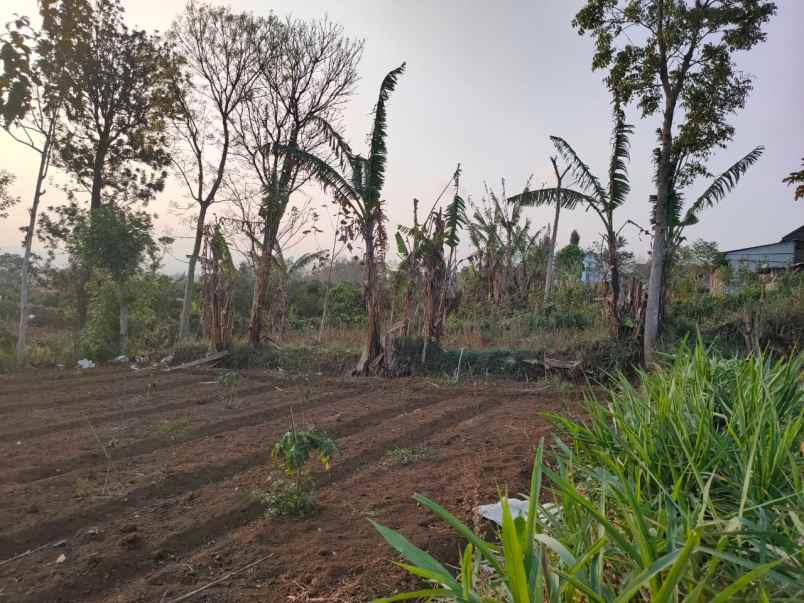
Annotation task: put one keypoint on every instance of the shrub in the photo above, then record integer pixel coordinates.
(294, 493)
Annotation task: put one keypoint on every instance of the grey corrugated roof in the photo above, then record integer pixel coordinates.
(796, 235)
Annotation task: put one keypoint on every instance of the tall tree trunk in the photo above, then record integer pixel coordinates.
(262, 277)
(373, 347)
(614, 290)
(22, 327)
(84, 272)
(659, 255)
(123, 322)
(551, 254)
(97, 176)
(187, 302)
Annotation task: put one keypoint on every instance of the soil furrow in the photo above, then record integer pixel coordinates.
(52, 381)
(151, 444)
(186, 482)
(130, 414)
(128, 565)
(127, 389)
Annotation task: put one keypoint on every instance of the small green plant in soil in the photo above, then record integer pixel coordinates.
(229, 380)
(175, 429)
(293, 492)
(408, 456)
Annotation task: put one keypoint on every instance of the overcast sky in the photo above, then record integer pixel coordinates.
(487, 83)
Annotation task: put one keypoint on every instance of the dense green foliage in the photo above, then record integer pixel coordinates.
(687, 485)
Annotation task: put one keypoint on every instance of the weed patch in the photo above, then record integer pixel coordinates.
(176, 429)
(408, 456)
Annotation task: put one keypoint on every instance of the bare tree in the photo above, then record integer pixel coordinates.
(221, 52)
(306, 85)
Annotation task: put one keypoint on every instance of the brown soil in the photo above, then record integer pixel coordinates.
(143, 479)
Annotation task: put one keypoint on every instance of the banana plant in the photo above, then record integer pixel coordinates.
(422, 249)
(356, 185)
(717, 190)
(560, 199)
(601, 200)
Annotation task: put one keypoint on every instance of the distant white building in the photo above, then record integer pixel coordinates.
(772, 256)
(593, 273)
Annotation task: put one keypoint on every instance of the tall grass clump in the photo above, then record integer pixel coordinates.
(731, 427)
(684, 487)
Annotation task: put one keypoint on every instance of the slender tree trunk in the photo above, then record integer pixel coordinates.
(123, 323)
(659, 255)
(329, 282)
(373, 347)
(187, 302)
(22, 326)
(407, 311)
(551, 254)
(614, 289)
(548, 280)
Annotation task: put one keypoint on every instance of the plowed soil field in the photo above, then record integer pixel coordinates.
(122, 485)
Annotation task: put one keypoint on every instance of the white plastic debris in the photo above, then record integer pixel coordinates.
(493, 512)
(62, 558)
(85, 364)
(120, 360)
(519, 508)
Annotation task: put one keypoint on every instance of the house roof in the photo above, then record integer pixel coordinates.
(796, 235)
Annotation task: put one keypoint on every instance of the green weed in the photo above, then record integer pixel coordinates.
(175, 429)
(409, 456)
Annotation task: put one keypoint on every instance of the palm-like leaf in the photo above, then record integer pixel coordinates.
(619, 185)
(455, 219)
(723, 184)
(378, 152)
(343, 152)
(547, 196)
(328, 177)
(580, 171)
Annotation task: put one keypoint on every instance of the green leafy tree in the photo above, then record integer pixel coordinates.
(36, 64)
(681, 63)
(121, 98)
(569, 261)
(7, 200)
(116, 241)
(357, 187)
